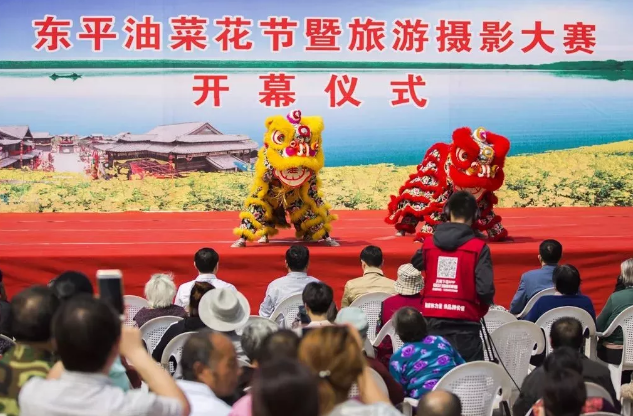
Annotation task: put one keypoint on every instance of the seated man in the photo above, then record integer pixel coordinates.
(440, 403)
(372, 280)
(534, 281)
(565, 332)
(207, 263)
(567, 283)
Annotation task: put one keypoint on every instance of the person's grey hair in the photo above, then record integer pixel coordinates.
(626, 269)
(160, 290)
(253, 336)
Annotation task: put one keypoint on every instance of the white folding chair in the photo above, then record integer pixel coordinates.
(354, 392)
(588, 326)
(388, 330)
(598, 414)
(174, 349)
(133, 304)
(8, 343)
(514, 344)
(371, 304)
(596, 390)
(533, 299)
(251, 319)
(287, 311)
(479, 385)
(625, 321)
(153, 330)
(493, 320)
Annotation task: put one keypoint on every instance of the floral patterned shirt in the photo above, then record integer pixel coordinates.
(418, 366)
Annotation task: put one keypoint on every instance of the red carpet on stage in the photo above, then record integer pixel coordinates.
(36, 247)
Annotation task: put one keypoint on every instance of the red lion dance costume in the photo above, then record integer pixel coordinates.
(472, 162)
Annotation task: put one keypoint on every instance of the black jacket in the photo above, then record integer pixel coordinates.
(450, 236)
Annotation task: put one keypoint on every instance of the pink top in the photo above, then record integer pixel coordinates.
(243, 407)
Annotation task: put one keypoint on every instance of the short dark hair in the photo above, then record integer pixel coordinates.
(550, 251)
(564, 391)
(197, 292)
(462, 205)
(283, 343)
(567, 332)
(85, 331)
(566, 279)
(285, 387)
(197, 349)
(32, 312)
(410, 325)
(372, 255)
(440, 403)
(297, 258)
(318, 297)
(70, 284)
(206, 259)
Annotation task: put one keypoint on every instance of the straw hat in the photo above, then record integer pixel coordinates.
(224, 310)
(409, 280)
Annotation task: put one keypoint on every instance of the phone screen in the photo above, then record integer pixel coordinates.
(111, 288)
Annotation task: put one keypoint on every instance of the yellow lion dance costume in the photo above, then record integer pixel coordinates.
(287, 182)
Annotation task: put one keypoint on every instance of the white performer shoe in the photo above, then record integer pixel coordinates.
(263, 240)
(400, 233)
(239, 243)
(330, 242)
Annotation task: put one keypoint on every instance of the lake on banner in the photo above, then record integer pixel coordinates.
(537, 110)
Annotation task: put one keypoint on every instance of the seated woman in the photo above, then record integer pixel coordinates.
(567, 283)
(423, 359)
(159, 292)
(610, 348)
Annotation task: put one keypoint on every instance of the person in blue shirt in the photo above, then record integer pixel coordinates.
(533, 281)
(567, 282)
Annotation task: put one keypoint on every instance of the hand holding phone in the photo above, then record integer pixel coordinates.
(111, 288)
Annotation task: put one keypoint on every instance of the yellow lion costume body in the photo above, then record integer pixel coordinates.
(286, 182)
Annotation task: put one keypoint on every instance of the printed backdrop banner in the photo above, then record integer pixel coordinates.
(160, 105)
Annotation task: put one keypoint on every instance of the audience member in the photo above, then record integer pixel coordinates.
(372, 280)
(70, 284)
(439, 403)
(458, 274)
(333, 354)
(567, 283)
(209, 371)
(253, 335)
(533, 281)
(191, 323)
(285, 387)
(206, 262)
(610, 348)
(317, 298)
(159, 292)
(566, 333)
(89, 337)
(31, 315)
(423, 359)
(5, 318)
(297, 262)
(358, 319)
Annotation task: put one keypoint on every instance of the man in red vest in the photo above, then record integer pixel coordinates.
(459, 285)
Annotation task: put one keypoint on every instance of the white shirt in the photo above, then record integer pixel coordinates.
(202, 400)
(184, 291)
(282, 288)
(91, 394)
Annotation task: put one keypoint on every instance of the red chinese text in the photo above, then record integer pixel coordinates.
(406, 91)
(189, 32)
(496, 38)
(323, 33)
(277, 92)
(281, 31)
(366, 36)
(145, 34)
(410, 36)
(211, 84)
(537, 37)
(579, 38)
(235, 30)
(345, 85)
(49, 32)
(453, 35)
(97, 29)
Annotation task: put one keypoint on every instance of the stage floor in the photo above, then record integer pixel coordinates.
(36, 247)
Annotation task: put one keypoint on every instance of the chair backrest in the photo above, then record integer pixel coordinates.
(371, 304)
(354, 392)
(625, 321)
(133, 304)
(287, 311)
(596, 390)
(478, 385)
(495, 319)
(514, 344)
(6, 344)
(588, 325)
(153, 330)
(251, 319)
(174, 349)
(533, 299)
(388, 330)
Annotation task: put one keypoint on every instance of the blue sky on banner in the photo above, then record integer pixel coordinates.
(611, 17)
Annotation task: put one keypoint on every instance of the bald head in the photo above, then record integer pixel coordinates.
(439, 403)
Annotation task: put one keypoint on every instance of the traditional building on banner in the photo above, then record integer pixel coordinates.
(66, 143)
(188, 146)
(43, 140)
(17, 148)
